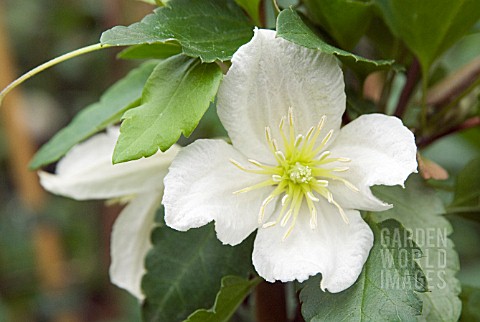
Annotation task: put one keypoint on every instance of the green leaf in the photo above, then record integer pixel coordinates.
(208, 29)
(120, 97)
(385, 290)
(429, 27)
(155, 2)
(345, 20)
(291, 27)
(174, 99)
(149, 51)
(420, 210)
(184, 270)
(471, 303)
(252, 7)
(466, 200)
(232, 293)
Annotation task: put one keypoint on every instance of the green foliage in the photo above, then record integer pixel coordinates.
(211, 30)
(386, 290)
(467, 191)
(184, 270)
(420, 210)
(151, 51)
(291, 27)
(345, 20)
(429, 27)
(471, 303)
(232, 293)
(174, 99)
(122, 96)
(252, 7)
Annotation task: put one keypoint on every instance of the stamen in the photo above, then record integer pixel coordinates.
(286, 218)
(299, 173)
(269, 224)
(340, 169)
(326, 138)
(262, 184)
(258, 164)
(280, 155)
(290, 116)
(298, 140)
(324, 155)
(312, 197)
(321, 122)
(309, 133)
(282, 122)
(265, 202)
(329, 197)
(342, 213)
(274, 145)
(276, 178)
(313, 219)
(323, 183)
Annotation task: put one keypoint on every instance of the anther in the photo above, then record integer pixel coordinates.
(282, 123)
(276, 178)
(258, 164)
(312, 197)
(324, 155)
(323, 183)
(321, 122)
(286, 218)
(327, 138)
(269, 224)
(298, 140)
(238, 165)
(280, 155)
(340, 169)
(290, 116)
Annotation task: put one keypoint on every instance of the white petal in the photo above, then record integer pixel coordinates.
(382, 152)
(199, 188)
(87, 172)
(268, 75)
(335, 249)
(131, 241)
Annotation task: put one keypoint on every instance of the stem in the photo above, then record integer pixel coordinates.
(457, 99)
(276, 9)
(412, 79)
(423, 116)
(468, 124)
(387, 86)
(49, 64)
(270, 302)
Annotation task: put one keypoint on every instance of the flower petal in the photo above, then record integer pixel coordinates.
(130, 242)
(87, 172)
(199, 188)
(335, 249)
(268, 75)
(382, 152)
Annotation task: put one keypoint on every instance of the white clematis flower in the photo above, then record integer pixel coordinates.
(87, 172)
(291, 172)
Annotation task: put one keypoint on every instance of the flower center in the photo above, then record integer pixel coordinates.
(301, 175)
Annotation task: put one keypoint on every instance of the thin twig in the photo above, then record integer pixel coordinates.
(468, 124)
(49, 64)
(412, 80)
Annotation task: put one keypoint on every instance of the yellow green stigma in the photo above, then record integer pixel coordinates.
(299, 175)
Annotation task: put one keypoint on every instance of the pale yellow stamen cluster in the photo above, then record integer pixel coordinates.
(300, 174)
